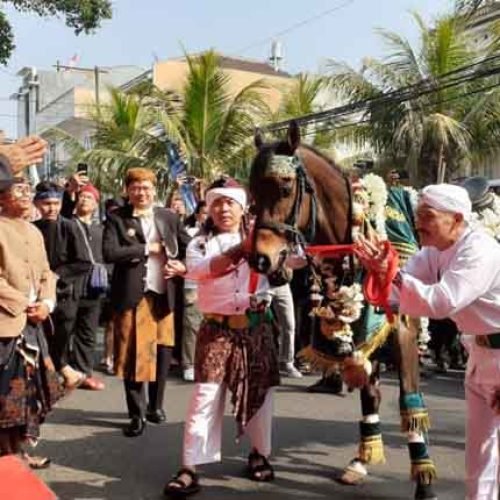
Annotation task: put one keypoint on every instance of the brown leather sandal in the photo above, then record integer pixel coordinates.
(36, 462)
(176, 487)
(261, 472)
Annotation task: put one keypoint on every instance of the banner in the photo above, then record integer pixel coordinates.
(178, 173)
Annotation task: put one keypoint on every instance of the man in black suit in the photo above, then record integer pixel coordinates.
(71, 263)
(147, 245)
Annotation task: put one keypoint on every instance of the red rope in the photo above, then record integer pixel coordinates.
(329, 250)
(253, 282)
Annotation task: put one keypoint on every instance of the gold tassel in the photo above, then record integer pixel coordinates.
(424, 471)
(376, 340)
(415, 421)
(371, 450)
(320, 362)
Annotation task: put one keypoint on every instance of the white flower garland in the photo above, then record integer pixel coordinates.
(346, 304)
(376, 190)
(413, 193)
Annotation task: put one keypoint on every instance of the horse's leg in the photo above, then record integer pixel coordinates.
(414, 415)
(371, 446)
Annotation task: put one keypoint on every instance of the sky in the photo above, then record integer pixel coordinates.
(142, 30)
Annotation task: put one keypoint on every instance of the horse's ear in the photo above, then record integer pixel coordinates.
(293, 136)
(258, 139)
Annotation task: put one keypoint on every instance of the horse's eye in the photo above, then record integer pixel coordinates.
(286, 191)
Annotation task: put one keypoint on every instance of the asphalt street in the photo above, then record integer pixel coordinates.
(315, 435)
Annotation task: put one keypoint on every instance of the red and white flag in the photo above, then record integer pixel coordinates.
(74, 61)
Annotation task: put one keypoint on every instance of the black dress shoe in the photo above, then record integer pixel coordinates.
(156, 416)
(135, 427)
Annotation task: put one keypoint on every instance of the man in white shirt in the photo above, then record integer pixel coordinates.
(457, 275)
(146, 246)
(235, 347)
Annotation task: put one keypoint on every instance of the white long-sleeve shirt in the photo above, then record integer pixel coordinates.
(155, 281)
(226, 294)
(461, 283)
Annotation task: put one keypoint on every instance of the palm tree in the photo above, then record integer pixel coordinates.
(470, 6)
(436, 130)
(125, 135)
(303, 98)
(212, 125)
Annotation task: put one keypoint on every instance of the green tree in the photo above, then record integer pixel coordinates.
(81, 15)
(304, 98)
(469, 6)
(212, 125)
(432, 134)
(125, 135)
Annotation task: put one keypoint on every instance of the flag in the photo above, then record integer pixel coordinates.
(176, 163)
(178, 170)
(74, 61)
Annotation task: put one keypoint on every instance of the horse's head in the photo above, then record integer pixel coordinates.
(277, 187)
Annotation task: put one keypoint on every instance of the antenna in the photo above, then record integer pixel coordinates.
(276, 55)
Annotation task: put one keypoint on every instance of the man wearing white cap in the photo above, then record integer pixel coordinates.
(457, 275)
(235, 347)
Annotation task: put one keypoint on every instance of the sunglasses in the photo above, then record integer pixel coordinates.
(20, 191)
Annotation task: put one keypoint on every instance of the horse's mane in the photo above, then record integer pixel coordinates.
(323, 156)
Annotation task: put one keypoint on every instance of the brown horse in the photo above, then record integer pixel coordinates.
(301, 197)
(284, 201)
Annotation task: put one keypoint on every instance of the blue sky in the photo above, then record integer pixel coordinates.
(144, 29)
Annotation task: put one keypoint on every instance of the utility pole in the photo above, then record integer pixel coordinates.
(31, 103)
(97, 78)
(97, 87)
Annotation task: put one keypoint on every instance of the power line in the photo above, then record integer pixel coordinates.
(447, 81)
(295, 26)
(331, 127)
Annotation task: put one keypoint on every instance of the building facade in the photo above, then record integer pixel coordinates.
(66, 97)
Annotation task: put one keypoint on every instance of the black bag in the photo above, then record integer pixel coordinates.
(98, 281)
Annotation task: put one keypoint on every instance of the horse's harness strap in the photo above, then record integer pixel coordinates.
(290, 226)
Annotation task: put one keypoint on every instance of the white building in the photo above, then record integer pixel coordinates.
(64, 98)
(480, 30)
(479, 25)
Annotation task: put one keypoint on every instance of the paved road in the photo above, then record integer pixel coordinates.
(314, 437)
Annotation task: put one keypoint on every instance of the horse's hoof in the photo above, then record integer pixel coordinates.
(354, 474)
(425, 492)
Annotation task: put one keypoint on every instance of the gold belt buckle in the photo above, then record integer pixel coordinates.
(482, 340)
(238, 322)
(234, 321)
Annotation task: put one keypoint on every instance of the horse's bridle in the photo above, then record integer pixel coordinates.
(290, 227)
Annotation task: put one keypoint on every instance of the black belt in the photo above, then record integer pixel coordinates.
(491, 341)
